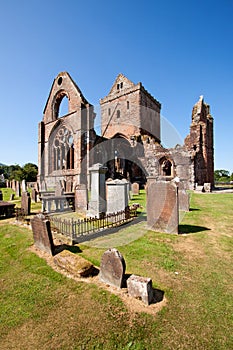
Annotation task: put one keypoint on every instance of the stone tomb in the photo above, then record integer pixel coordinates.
(162, 206)
(112, 268)
(42, 234)
(117, 195)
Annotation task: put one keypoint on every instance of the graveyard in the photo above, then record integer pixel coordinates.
(43, 306)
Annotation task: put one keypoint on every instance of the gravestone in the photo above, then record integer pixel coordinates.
(112, 268)
(13, 185)
(199, 188)
(24, 186)
(135, 188)
(140, 288)
(26, 203)
(97, 204)
(74, 264)
(42, 235)
(162, 206)
(184, 200)
(34, 195)
(117, 195)
(18, 189)
(1, 196)
(207, 187)
(81, 198)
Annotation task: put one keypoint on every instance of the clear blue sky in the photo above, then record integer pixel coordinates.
(178, 49)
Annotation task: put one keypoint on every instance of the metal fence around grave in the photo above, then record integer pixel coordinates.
(75, 229)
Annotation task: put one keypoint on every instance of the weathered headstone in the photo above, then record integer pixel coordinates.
(199, 188)
(1, 196)
(74, 264)
(135, 188)
(81, 198)
(42, 234)
(140, 288)
(26, 203)
(97, 204)
(207, 187)
(162, 206)
(112, 268)
(13, 185)
(117, 195)
(18, 189)
(24, 186)
(184, 200)
(34, 195)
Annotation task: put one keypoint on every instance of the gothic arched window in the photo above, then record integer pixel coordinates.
(63, 149)
(166, 167)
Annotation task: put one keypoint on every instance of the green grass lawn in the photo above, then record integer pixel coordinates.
(42, 309)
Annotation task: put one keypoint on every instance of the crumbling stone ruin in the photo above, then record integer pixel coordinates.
(130, 142)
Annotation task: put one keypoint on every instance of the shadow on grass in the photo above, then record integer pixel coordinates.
(194, 209)
(73, 249)
(107, 231)
(186, 229)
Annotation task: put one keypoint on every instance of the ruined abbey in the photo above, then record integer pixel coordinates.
(130, 143)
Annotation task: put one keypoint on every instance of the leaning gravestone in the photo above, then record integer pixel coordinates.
(112, 268)
(26, 203)
(42, 234)
(162, 206)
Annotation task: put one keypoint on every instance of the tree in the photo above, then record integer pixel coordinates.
(221, 175)
(30, 172)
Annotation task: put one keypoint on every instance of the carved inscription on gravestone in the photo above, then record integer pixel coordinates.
(42, 234)
(112, 268)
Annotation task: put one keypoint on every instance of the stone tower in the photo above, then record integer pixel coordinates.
(130, 110)
(200, 142)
